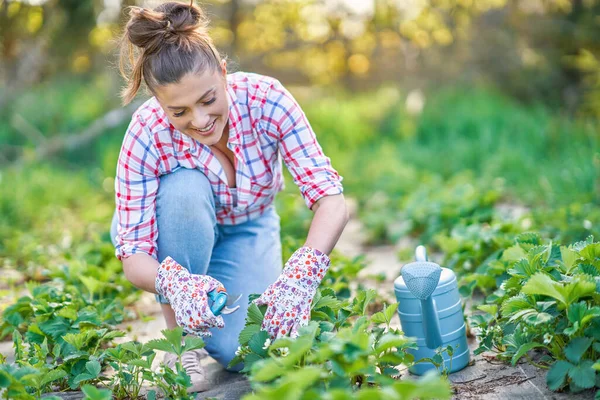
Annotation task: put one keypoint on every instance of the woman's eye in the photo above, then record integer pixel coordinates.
(210, 101)
(179, 114)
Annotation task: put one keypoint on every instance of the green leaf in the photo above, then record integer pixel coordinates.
(328, 301)
(576, 348)
(4, 379)
(569, 257)
(522, 269)
(82, 377)
(93, 393)
(258, 342)
(378, 318)
(583, 375)
(514, 253)
(52, 375)
(390, 311)
(390, 340)
(174, 336)
(538, 318)
(55, 327)
(269, 369)
(91, 284)
(160, 344)
(77, 340)
(247, 333)
(68, 312)
(555, 378)
(580, 312)
(591, 252)
(580, 286)
(515, 304)
(522, 314)
(316, 298)
(192, 343)
(491, 309)
(541, 283)
(93, 368)
(291, 386)
(254, 315)
(250, 360)
(524, 349)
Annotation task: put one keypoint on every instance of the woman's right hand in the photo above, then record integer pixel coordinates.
(188, 295)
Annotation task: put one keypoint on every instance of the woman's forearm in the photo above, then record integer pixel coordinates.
(140, 269)
(331, 216)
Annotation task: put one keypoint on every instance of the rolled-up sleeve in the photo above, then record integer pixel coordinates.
(303, 156)
(136, 185)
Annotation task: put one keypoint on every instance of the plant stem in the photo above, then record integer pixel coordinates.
(530, 361)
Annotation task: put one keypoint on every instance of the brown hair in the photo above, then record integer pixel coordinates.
(160, 46)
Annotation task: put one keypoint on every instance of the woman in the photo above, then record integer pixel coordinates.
(198, 171)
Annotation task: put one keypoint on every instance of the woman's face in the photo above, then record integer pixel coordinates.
(197, 105)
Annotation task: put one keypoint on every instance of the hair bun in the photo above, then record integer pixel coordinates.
(181, 20)
(171, 22)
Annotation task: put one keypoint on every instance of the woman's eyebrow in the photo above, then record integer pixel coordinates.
(200, 99)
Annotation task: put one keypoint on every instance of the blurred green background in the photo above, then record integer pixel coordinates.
(438, 114)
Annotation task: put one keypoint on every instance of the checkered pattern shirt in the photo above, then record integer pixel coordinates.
(266, 125)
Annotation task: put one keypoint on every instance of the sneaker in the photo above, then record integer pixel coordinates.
(191, 363)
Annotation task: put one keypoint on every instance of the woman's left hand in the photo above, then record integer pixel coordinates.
(289, 298)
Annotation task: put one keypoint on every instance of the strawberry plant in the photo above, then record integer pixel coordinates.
(550, 302)
(342, 353)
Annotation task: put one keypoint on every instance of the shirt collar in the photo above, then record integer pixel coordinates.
(235, 116)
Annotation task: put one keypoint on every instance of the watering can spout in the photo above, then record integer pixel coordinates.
(431, 324)
(421, 278)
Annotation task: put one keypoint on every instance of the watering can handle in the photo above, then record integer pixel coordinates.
(421, 253)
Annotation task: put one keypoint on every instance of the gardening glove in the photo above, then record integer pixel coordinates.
(188, 295)
(289, 298)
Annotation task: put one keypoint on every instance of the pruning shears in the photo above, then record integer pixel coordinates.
(221, 302)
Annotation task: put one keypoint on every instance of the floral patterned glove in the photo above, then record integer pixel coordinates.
(188, 295)
(289, 298)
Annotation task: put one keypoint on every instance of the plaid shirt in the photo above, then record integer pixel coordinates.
(266, 124)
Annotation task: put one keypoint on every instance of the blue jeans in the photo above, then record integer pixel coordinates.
(246, 258)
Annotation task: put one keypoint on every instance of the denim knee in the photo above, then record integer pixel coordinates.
(183, 193)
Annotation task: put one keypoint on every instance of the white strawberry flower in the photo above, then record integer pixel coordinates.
(267, 344)
(284, 351)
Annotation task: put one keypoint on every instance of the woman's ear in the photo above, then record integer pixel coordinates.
(224, 67)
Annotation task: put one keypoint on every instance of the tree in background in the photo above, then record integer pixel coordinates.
(536, 50)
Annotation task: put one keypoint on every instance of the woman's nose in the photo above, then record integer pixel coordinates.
(201, 119)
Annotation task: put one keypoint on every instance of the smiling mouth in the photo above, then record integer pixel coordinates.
(207, 129)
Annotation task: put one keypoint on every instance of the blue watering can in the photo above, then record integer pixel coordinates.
(430, 310)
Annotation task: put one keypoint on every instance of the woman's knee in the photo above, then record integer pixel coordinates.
(185, 189)
(185, 203)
